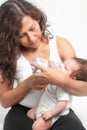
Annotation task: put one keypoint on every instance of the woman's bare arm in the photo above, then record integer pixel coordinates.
(10, 96)
(53, 76)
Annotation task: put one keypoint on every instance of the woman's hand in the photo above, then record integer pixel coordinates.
(53, 76)
(48, 75)
(37, 82)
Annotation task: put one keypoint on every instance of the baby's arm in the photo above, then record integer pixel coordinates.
(31, 113)
(59, 107)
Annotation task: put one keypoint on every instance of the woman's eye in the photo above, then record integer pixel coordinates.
(32, 29)
(21, 35)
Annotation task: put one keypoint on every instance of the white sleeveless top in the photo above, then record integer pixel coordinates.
(24, 71)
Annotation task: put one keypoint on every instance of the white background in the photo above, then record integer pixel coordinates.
(68, 19)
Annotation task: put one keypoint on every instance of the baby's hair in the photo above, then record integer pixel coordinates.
(81, 73)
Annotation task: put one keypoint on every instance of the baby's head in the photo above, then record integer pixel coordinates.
(75, 68)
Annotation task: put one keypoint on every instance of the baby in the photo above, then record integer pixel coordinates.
(55, 102)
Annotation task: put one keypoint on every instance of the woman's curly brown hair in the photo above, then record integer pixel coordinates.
(11, 15)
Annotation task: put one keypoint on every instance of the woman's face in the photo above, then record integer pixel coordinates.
(30, 33)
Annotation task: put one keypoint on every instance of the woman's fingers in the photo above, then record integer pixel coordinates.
(51, 64)
(39, 78)
(42, 68)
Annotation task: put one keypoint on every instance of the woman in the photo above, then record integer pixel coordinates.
(24, 36)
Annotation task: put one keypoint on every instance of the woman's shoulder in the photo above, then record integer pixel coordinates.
(61, 43)
(61, 40)
(64, 46)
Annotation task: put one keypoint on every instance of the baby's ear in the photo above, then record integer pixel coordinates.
(73, 77)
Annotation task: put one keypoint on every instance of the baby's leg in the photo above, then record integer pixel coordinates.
(41, 124)
(31, 113)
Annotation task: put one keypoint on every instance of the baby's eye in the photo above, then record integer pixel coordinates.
(65, 67)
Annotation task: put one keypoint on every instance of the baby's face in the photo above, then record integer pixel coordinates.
(68, 66)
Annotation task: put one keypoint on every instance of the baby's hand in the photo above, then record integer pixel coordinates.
(47, 115)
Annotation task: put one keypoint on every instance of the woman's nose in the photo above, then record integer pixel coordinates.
(30, 36)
